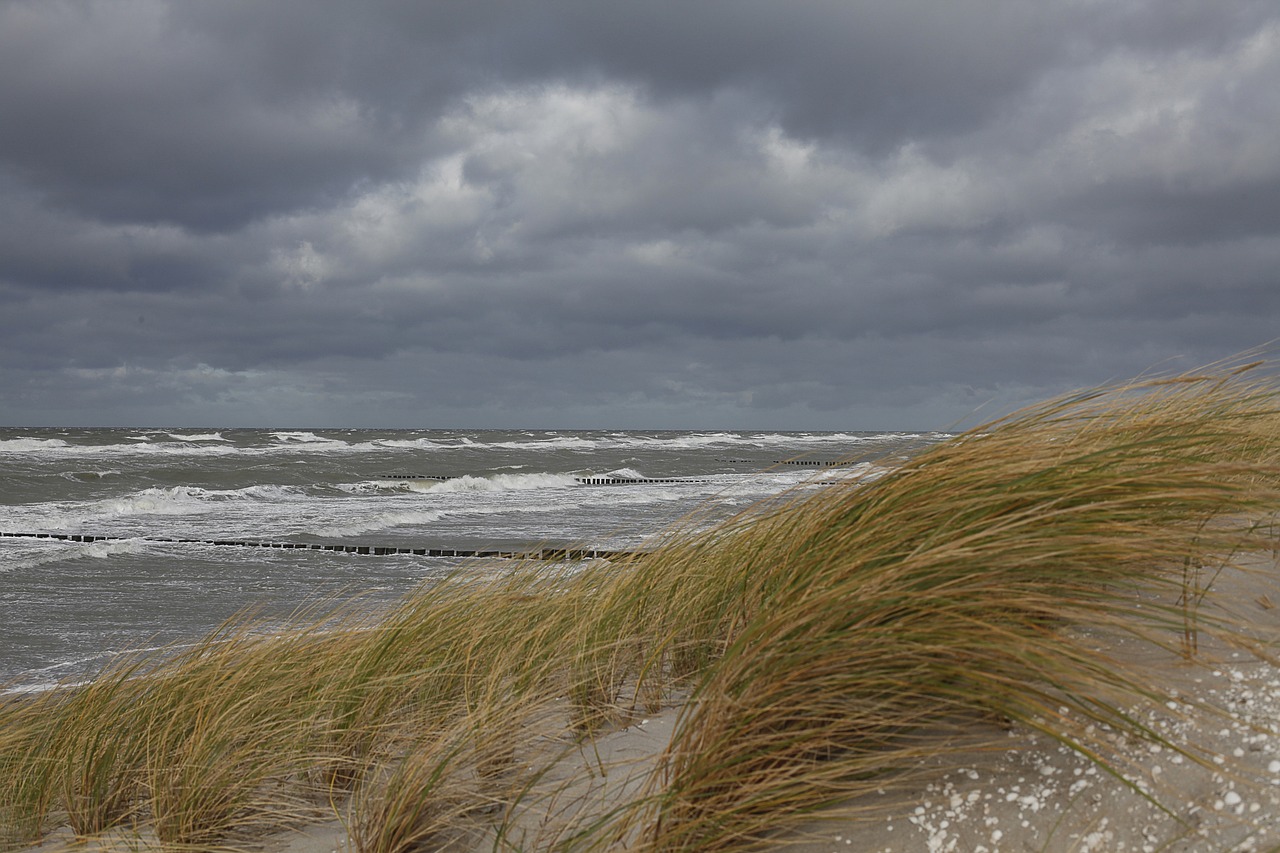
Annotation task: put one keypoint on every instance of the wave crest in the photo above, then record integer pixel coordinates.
(495, 483)
(24, 445)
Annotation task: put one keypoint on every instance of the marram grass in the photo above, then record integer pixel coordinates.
(820, 647)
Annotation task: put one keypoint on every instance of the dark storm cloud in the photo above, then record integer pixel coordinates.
(813, 214)
(151, 112)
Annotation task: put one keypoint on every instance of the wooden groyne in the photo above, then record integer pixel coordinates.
(371, 550)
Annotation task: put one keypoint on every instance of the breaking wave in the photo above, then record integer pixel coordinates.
(204, 436)
(24, 445)
(180, 500)
(495, 483)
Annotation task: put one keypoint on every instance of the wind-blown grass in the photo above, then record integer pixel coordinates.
(824, 644)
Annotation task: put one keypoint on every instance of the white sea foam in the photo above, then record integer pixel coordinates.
(19, 558)
(381, 521)
(32, 553)
(103, 549)
(300, 437)
(553, 442)
(626, 474)
(25, 445)
(56, 449)
(495, 483)
(825, 438)
(181, 500)
(309, 441)
(698, 441)
(178, 500)
(369, 487)
(204, 436)
(268, 492)
(409, 443)
(84, 476)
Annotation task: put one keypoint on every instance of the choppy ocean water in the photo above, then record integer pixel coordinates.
(158, 498)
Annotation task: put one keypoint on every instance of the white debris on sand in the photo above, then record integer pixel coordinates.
(1208, 778)
(1041, 795)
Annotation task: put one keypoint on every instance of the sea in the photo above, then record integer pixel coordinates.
(116, 541)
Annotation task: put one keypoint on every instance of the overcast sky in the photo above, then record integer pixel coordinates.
(711, 214)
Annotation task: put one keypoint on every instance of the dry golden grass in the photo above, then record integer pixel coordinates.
(825, 643)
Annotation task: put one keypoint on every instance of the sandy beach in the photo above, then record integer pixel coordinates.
(1025, 792)
(1017, 791)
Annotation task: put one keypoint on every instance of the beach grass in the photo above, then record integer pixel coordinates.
(818, 647)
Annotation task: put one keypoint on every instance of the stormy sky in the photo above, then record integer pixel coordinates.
(716, 214)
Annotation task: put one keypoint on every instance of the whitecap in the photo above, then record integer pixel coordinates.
(626, 474)
(24, 445)
(559, 442)
(495, 483)
(309, 440)
(87, 476)
(205, 436)
(101, 550)
(381, 521)
(35, 553)
(178, 500)
(181, 500)
(409, 443)
(269, 492)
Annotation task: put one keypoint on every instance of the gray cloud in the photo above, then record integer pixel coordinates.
(808, 215)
